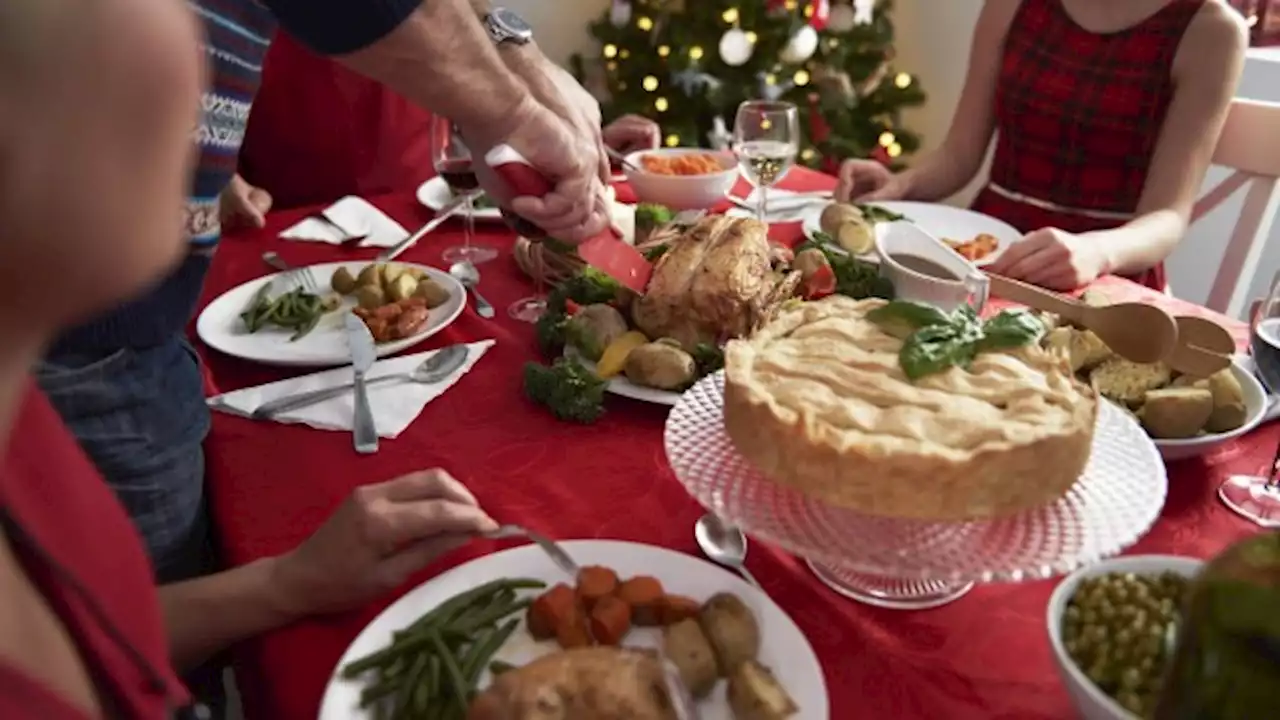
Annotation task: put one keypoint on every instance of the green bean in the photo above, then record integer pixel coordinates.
(306, 327)
(377, 692)
(454, 675)
(385, 657)
(492, 616)
(480, 653)
(412, 681)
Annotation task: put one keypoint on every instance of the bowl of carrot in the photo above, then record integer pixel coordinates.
(681, 178)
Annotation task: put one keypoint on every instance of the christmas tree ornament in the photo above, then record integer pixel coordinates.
(777, 8)
(719, 136)
(770, 88)
(693, 82)
(835, 84)
(842, 19)
(802, 45)
(620, 13)
(872, 83)
(863, 11)
(735, 47)
(819, 13)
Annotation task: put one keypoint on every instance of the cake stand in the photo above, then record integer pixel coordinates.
(911, 564)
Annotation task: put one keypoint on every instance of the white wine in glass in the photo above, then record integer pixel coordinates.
(766, 138)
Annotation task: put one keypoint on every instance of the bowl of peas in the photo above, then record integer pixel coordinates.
(1112, 625)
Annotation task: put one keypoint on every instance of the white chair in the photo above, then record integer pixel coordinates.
(1250, 145)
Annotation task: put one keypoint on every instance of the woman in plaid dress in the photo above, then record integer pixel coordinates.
(1108, 113)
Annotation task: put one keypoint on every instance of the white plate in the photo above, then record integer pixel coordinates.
(783, 647)
(220, 327)
(620, 385)
(941, 221)
(435, 194)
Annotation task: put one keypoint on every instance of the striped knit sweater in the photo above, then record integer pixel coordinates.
(237, 33)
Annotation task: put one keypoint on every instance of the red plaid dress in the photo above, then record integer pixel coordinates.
(1078, 115)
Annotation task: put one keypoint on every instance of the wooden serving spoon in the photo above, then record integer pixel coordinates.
(1134, 331)
(1204, 347)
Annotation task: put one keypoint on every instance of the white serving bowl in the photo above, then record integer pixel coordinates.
(682, 192)
(1255, 402)
(1091, 702)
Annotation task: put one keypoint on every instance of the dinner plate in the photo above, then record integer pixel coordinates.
(941, 221)
(620, 385)
(783, 648)
(221, 328)
(435, 194)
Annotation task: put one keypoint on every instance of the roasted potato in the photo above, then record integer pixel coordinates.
(370, 275)
(1084, 348)
(594, 327)
(732, 630)
(414, 272)
(1173, 413)
(661, 364)
(755, 694)
(343, 282)
(431, 291)
(388, 274)
(850, 229)
(401, 288)
(687, 647)
(370, 297)
(1229, 411)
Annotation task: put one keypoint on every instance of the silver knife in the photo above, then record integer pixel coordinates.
(448, 210)
(362, 357)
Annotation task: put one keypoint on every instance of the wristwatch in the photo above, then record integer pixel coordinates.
(506, 26)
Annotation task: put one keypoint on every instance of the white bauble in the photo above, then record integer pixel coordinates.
(735, 47)
(863, 11)
(801, 46)
(842, 18)
(620, 13)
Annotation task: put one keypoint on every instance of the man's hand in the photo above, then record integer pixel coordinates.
(631, 133)
(243, 205)
(376, 539)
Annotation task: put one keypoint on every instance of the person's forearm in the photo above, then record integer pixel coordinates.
(939, 175)
(1140, 243)
(209, 614)
(441, 59)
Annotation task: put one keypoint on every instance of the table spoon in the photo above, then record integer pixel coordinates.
(467, 274)
(432, 370)
(724, 544)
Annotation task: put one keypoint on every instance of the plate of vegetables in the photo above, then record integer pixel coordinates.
(513, 622)
(275, 323)
(435, 194)
(979, 238)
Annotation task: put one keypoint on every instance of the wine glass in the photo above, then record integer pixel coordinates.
(452, 160)
(766, 138)
(1257, 497)
(529, 309)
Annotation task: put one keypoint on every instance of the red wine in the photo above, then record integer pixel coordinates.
(458, 174)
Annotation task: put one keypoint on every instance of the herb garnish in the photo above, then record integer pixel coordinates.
(876, 214)
(935, 340)
(854, 278)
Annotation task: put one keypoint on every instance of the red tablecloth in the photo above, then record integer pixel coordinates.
(984, 656)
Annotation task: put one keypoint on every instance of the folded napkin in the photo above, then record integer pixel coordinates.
(394, 404)
(784, 205)
(350, 217)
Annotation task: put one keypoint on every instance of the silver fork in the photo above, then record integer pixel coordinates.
(549, 546)
(293, 277)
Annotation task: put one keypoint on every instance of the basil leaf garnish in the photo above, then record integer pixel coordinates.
(934, 340)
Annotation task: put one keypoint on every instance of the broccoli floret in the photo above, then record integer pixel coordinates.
(708, 357)
(588, 287)
(566, 388)
(550, 333)
(652, 215)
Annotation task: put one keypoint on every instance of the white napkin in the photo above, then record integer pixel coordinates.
(622, 216)
(784, 205)
(348, 218)
(394, 404)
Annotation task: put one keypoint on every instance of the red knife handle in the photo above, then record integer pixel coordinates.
(523, 179)
(517, 173)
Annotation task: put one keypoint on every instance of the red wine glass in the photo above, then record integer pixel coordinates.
(452, 159)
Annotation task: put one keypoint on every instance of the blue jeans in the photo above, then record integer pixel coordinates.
(140, 416)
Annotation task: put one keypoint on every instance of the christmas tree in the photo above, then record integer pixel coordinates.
(688, 64)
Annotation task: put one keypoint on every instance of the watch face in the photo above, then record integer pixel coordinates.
(511, 22)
